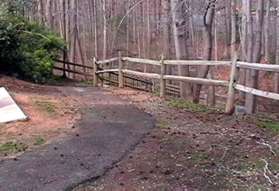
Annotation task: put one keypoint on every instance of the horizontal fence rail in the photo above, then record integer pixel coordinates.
(142, 74)
(106, 61)
(107, 71)
(74, 64)
(141, 61)
(197, 63)
(262, 67)
(257, 92)
(202, 81)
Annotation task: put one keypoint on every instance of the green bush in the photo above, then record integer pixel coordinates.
(27, 49)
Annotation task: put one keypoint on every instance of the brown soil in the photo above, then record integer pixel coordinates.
(51, 115)
(194, 151)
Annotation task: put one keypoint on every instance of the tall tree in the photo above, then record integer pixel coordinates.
(180, 37)
(166, 27)
(276, 79)
(208, 23)
(252, 81)
(104, 6)
(267, 31)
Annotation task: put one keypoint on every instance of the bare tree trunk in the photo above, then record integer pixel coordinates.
(65, 55)
(165, 23)
(276, 78)
(179, 34)
(249, 38)
(42, 11)
(49, 9)
(128, 28)
(233, 27)
(96, 28)
(104, 30)
(192, 31)
(244, 31)
(75, 36)
(208, 22)
(250, 102)
(266, 31)
(148, 34)
(243, 39)
(227, 26)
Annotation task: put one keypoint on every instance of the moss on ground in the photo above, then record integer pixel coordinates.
(12, 147)
(46, 106)
(189, 106)
(162, 124)
(268, 124)
(39, 141)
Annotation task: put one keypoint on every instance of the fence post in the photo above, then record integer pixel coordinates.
(120, 68)
(95, 69)
(162, 80)
(231, 90)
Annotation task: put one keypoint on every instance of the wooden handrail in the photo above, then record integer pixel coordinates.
(107, 61)
(74, 64)
(202, 81)
(107, 71)
(198, 62)
(71, 71)
(257, 92)
(142, 61)
(257, 66)
(145, 75)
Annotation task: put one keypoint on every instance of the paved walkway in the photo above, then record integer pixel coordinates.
(109, 129)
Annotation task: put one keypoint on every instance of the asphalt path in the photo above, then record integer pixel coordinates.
(109, 129)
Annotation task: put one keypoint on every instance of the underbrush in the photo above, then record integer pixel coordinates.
(190, 106)
(39, 141)
(268, 124)
(46, 106)
(27, 49)
(12, 147)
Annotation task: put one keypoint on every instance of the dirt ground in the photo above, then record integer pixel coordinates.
(189, 150)
(51, 115)
(194, 151)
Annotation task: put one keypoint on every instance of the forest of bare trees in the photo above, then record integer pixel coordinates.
(180, 29)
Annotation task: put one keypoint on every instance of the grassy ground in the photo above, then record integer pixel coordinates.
(51, 116)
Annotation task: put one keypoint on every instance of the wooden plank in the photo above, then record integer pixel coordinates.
(162, 80)
(202, 81)
(142, 61)
(120, 71)
(231, 90)
(198, 63)
(256, 66)
(257, 92)
(71, 71)
(107, 61)
(95, 70)
(141, 74)
(107, 71)
(74, 64)
(173, 86)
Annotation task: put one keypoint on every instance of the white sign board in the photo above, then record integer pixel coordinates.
(9, 111)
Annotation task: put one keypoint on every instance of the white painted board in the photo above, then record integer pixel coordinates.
(9, 110)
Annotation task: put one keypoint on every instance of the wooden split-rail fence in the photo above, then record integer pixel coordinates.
(232, 85)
